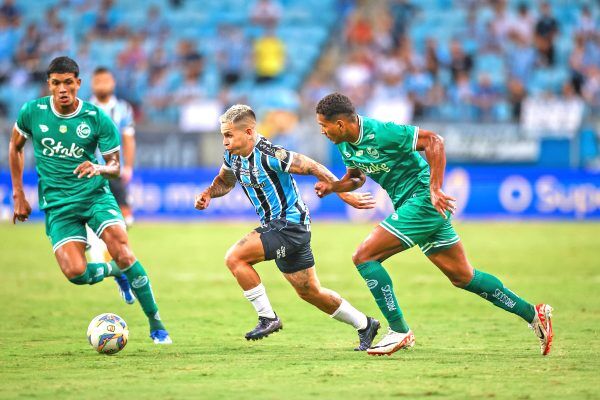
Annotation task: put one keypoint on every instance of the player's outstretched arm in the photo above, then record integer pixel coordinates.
(16, 163)
(110, 170)
(304, 165)
(223, 183)
(433, 145)
(352, 180)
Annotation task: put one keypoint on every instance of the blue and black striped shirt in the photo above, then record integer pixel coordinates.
(265, 179)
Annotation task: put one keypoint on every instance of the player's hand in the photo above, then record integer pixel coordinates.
(322, 189)
(362, 201)
(442, 202)
(22, 209)
(202, 201)
(126, 174)
(87, 169)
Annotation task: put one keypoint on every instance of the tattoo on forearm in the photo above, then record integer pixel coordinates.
(222, 184)
(303, 165)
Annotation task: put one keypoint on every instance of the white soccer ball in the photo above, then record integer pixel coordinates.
(108, 333)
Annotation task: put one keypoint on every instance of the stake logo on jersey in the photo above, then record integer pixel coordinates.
(265, 179)
(387, 153)
(61, 143)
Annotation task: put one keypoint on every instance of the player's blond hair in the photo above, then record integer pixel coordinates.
(238, 113)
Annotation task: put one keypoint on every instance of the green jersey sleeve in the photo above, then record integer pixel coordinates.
(23, 124)
(401, 137)
(108, 134)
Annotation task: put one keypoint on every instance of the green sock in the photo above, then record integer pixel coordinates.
(490, 288)
(140, 284)
(382, 289)
(96, 272)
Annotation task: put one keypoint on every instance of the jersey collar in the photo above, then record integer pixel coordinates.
(360, 134)
(65, 116)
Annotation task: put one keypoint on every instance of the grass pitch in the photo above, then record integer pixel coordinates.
(466, 348)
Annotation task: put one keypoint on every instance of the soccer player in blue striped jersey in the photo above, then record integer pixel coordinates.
(264, 172)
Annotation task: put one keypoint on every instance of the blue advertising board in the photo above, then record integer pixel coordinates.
(481, 192)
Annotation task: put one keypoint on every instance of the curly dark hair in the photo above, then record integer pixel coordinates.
(335, 104)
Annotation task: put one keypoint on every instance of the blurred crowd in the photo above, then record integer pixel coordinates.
(446, 60)
(160, 66)
(464, 60)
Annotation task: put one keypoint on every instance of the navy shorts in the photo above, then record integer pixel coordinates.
(288, 244)
(119, 190)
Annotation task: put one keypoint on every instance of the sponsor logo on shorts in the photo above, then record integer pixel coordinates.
(503, 298)
(388, 294)
(139, 282)
(372, 283)
(281, 252)
(483, 294)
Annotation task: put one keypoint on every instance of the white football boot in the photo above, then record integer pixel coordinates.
(542, 326)
(392, 342)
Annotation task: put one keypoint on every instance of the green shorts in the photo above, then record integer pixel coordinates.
(67, 223)
(416, 221)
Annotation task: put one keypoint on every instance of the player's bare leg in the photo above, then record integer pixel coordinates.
(376, 248)
(117, 243)
(240, 259)
(73, 264)
(307, 285)
(454, 264)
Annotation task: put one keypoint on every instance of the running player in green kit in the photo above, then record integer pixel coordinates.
(389, 154)
(73, 190)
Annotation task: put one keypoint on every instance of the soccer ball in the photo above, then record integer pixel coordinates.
(108, 333)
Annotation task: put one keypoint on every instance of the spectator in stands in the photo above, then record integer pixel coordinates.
(231, 53)
(11, 12)
(419, 84)
(488, 41)
(158, 59)
(432, 62)
(266, 13)
(459, 61)
(8, 43)
(486, 96)
(591, 88)
(191, 89)
(155, 27)
(523, 24)
(56, 42)
(158, 97)
(516, 95)
(359, 30)
(521, 59)
(403, 12)
(546, 30)
(586, 24)
(462, 93)
(133, 57)
(502, 21)
(187, 54)
(269, 57)
(106, 22)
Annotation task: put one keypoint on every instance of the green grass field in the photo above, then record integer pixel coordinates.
(466, 348)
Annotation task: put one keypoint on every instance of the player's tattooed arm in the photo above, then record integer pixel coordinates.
(329, 183)
(16, 162)
(303, 165)
(433, 145)
(111, 170)
(223, 183)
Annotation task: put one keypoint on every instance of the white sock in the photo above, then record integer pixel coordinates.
(97, 246)
(260, 301)
(350, 315)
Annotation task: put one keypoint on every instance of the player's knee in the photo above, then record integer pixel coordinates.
(123, 256)
(72, 269)
(460, 280)
(232, 261)
(360, 256)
